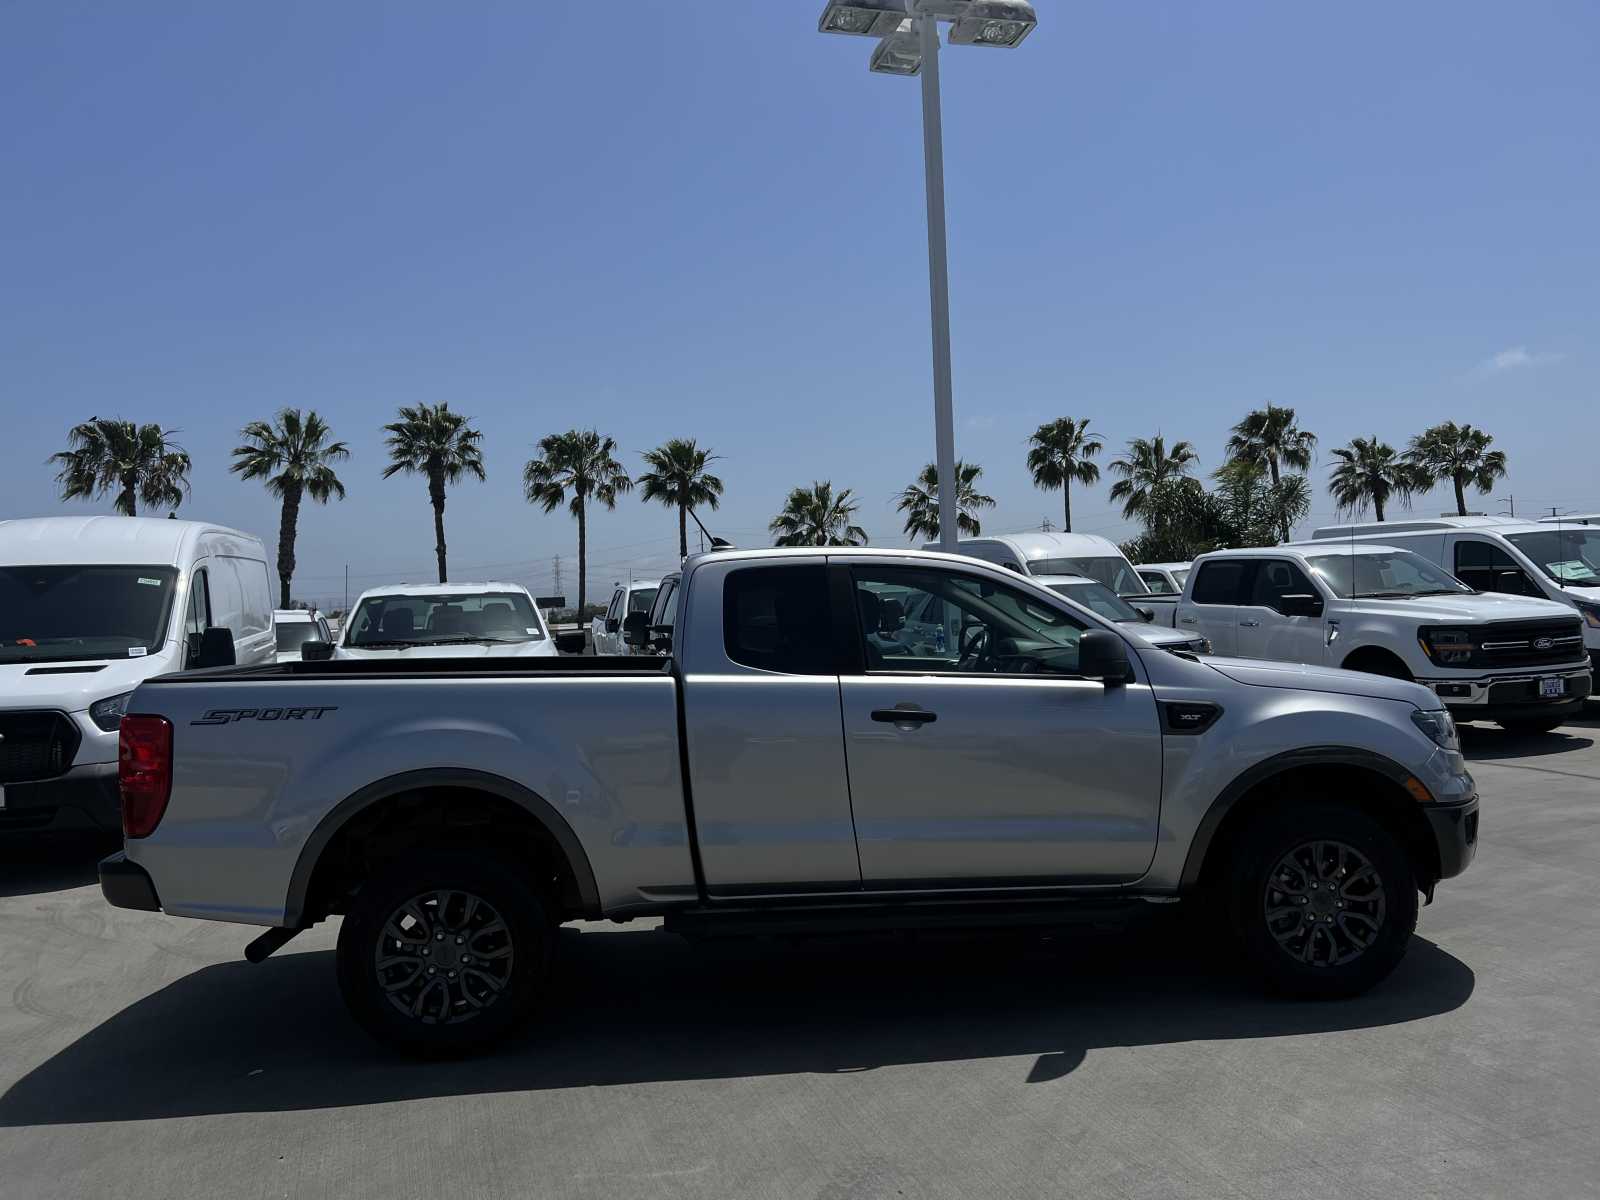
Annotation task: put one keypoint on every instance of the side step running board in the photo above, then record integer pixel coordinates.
(747, 920)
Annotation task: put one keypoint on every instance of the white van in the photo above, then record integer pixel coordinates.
(1499, 554)
(90, 607)
(1083, 554)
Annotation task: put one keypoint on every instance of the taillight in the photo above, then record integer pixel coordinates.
(144, 771)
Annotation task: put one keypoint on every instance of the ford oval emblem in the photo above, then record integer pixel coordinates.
(1543, 643)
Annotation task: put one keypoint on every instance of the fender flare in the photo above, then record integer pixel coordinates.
(409, 781)
(1308, 756)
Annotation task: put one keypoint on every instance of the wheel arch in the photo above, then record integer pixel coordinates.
(1365, 658)
(1263, 785)
(459, 780)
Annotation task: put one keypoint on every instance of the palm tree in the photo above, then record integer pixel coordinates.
(920, 502)
(1269, 438)
(137, 462)
(431, 441)
(678, 478)
(1458, 453)
(1146, 466)
(1059, 455)
(817, 516)
(294, 456)
(580, 462)
(1370, 472)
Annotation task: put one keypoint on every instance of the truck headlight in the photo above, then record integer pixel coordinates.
(107, 713)
(1447, 647)
(1439, 727)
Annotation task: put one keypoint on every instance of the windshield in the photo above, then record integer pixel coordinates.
(55, 614)
(1565, 555)
(399, 620)
(1111, 570)
(1098, 598)
(1386, 575)
(294, 634)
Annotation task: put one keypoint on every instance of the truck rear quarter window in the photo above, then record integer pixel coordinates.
(776, 619)
(1220, 582)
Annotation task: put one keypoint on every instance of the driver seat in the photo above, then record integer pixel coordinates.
(871, 610)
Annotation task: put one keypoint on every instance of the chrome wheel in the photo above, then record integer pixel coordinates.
(444, 957)
(1324, 904)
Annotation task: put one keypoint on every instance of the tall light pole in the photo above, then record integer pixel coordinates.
(908, 33)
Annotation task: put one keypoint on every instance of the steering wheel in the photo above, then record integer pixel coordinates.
(974, 649)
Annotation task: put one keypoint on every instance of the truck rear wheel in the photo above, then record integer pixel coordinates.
(1322, 899)
(444, 952)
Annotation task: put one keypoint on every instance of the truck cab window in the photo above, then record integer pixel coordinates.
(1276, 579)
(776, 619)
(1220, 582)
(959, 623)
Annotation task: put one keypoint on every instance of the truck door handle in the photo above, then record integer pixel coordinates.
(904, 716)
(1186, 620)
(1250, 624)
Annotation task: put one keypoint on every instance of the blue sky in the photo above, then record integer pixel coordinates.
(706, 220)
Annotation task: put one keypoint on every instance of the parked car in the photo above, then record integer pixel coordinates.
(1499, 554)
(1164, 579)
(1136, 619)
(1387, 611)
(295, 627)
(1048, 767)
(90, 607)
(449, 620)
(637, 595)
(1084, 554)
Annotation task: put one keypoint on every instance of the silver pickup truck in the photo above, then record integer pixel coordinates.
(798, 759)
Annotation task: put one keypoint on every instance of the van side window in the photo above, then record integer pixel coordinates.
(1221, 582)
(1488, 568)
(776, 619)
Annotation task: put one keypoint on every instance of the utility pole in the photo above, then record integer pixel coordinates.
(557, 588)
(1047, 526)
(346, 607)
(1511, 500)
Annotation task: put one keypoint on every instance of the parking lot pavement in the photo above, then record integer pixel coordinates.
(140, 1056)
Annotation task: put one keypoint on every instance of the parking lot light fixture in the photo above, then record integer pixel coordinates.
(863, 18)
(898, 54)
(1001, 23)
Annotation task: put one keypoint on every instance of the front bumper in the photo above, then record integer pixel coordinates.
(1491, 696)
(126, 884)
(85, 799)
(1455, 834)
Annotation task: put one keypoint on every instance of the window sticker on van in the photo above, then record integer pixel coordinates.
(149, 582)
(1574, 570)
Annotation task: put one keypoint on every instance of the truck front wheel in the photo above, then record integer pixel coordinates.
(444, 952)
(1322, 899)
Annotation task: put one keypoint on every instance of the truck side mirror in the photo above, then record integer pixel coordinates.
(1103, 655)
(661, 638)
(316, 651)
(570, 643)
(1300, 604)
(612, 624)
(1145, 612)
(636, 629)
(213, 648)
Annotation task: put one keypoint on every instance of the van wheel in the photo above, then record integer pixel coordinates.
(1322, 900)
(444, 953)
(1532, 724)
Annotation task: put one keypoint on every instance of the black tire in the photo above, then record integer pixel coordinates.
(476, 979)
(1532, 725)
(1346, 957)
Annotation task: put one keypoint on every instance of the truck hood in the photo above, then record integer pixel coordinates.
(541, 649)
(1487, 606)
(1158, 635)
(73, 686)
(1322, 679)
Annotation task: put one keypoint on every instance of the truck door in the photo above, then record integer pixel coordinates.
(989, 762)
(1266, 629)
(761, 710)
(1210, 607)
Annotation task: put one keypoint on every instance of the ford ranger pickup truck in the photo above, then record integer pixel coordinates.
(787, 764)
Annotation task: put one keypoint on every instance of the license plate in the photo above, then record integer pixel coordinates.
(1552, 688)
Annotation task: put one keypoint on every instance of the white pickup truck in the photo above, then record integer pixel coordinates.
(1492, 657)
(786, 766)
(635, 596)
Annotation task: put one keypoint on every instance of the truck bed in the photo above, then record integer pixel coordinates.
(592, 667)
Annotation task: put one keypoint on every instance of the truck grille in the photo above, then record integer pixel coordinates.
(35, 745)
(1530, 643)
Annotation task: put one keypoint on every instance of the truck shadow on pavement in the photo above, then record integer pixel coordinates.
(1482, 744)
(33, 864)
(647, 1007)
